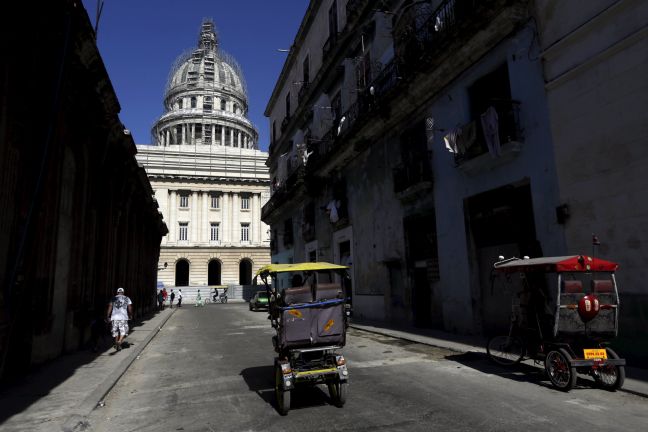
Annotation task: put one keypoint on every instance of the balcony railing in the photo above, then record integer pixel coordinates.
(415, 171)
(508, 126)
(421, 30)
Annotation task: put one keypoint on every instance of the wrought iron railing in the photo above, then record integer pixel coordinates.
(508, 127)
(415, 170)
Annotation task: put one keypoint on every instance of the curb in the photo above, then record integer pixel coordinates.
(458, 347)
(76, 421)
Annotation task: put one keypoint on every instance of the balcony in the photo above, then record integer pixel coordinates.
(414, 175)
(475, 154)
(354, 7)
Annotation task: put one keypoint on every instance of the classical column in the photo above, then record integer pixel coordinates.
(213, 134)
(184, 133)
(236, 225)
(166, 136)
(256, 217)
(173, 207)
(232, 136)
(193, 220)
(193, 133)
(224, 212)
(239, 138)
(222, 135)
(206, 199)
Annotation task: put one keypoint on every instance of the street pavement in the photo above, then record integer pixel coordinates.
(210, 369)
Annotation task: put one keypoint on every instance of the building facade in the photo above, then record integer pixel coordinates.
(209, 177)
(595, 72)
(418, 141)
(78, 216)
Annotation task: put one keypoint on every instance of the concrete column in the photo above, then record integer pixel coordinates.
(213, 134)
(239, 139)
(222, 135)
(256, 217)
(232, 136)
(184, 134)
(173, 208)
(199, 218)
(193, 134)
(166, 136)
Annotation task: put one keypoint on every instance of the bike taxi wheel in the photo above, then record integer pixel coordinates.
(282, 396)
(505, 350)
(610, 377)
(559, 369)
(338, 391)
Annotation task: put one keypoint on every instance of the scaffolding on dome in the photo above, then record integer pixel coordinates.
(207, 42)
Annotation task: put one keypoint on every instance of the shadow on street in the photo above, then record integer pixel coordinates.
(260, 379)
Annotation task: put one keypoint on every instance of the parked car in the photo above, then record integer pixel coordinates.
(259, 301)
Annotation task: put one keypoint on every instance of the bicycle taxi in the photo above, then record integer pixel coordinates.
(307, 310)
(565, 315)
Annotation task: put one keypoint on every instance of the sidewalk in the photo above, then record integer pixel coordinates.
(59, 395)
(636, 381)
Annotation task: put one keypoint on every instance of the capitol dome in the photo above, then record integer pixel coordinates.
(205, 99)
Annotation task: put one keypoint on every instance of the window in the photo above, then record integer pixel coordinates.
(306, 71)
(193, 102)
(198, 131)
(179, 103)
(223, 105)
(245, 232)
(274, 131)
(184, 201)
(214, 231)
(288, 105)
(245, 203)
(215, 201)
(184, 231)
(333, 21)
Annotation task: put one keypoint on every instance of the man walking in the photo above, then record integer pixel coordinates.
(120, 310)
(180, 298)
(172, 297)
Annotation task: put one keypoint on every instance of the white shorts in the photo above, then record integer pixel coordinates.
(119, 327)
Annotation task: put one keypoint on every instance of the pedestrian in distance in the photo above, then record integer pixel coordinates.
(165, 294)
(160, 299)
(119, 312)
(199, 300)
(180, 298)
(172, 297)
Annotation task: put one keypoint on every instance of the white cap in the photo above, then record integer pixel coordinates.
(120, 290)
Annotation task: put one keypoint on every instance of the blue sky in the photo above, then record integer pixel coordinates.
(140, 39)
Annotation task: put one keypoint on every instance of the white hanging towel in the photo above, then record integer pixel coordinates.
(331, 208)
(451, 140)
(490, 126)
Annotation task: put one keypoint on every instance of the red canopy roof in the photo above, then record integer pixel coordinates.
(575, 263)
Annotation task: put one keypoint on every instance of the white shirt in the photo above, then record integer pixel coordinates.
(120, 305)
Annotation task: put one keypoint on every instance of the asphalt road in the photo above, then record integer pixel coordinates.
(211, 369)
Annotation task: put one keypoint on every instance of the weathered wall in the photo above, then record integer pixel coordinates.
(596, 64)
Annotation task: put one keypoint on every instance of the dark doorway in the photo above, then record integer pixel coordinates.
(245, 272)
(182, 273)
(423, 267)
(501, 222)
(214, 272)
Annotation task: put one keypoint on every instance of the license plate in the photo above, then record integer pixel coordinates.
(595, 354)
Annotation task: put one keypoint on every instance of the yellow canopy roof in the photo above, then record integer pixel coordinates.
(297, 267)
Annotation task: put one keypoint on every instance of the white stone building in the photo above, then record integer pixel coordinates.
(207, 172)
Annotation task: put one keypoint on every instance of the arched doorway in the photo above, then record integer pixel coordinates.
(182, 273)
(214, 272)
(245, 272)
